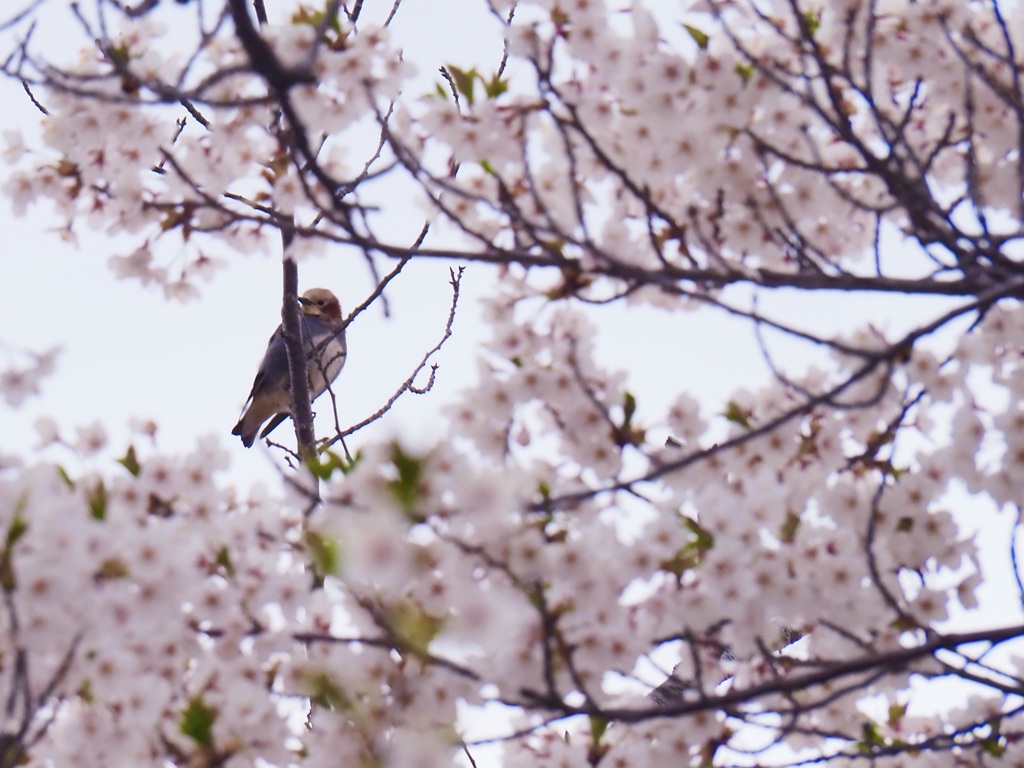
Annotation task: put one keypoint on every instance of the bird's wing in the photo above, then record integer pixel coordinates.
(273, 370)
(275, 361)
(273, 424)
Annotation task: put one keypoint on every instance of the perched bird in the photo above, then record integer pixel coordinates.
(323, 338)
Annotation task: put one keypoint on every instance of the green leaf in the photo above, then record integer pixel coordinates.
(67, 169)
(98, 501)
(745, 71)
(495, 87)
(320, 469)
(412, 626)
(904, 624)
(324, 691)
(628, 409)
(735, 414)
(326, 463)
(326, 553)
(224, 561)
(993, 747)
(813, 21)
(111, 569)
(8, 581)
(307, 16)
(994, 744)
(699, 36)
(406, 486)
(704, 539)
(18, 526)
(85, 692)
(120, 54)
(63, 474)
(17, 529)
(464, 79)
(626, 433)
(870, 734)
(789, 528)
(690, 555)
(131, 462)
(598, 725)
(896, 713)
(348, 464)
(995, 723)
(197, 721)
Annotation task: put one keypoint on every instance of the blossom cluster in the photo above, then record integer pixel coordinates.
(125, 591)
(741, 148)
(188, 620)
(21, 380)
(115, 158)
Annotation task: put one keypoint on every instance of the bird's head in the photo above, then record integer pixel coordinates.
(319, 302)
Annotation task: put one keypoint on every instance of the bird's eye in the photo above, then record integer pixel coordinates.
(321, 303)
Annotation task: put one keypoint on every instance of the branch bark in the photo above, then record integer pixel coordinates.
(298, 378)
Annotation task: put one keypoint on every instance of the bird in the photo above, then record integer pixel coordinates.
(323, 339)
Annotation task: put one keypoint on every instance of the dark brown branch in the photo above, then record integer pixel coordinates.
(892, 660)
(279, 78)
(409, 384)
(291, 324)
(830, 396)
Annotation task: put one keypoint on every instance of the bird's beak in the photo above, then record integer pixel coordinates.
(305, 302)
